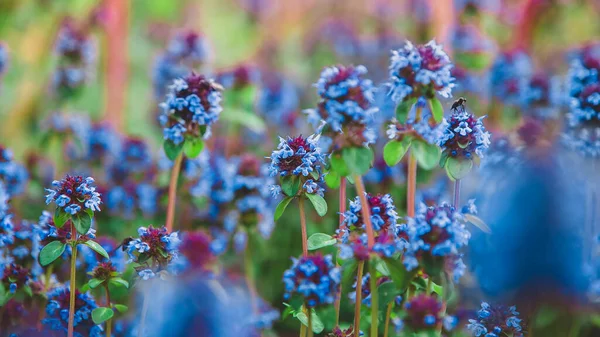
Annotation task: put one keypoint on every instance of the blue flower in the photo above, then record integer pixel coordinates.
(464, 135)
(297, 156)
(57, 312)
(508, 70)
(73, 194)
(77, 54)
(314, 277)
(12, 174)
(495, 320)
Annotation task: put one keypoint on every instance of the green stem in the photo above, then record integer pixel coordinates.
(173, 192)
(309, 329)
(374, 300)
(73, 281)
(357, 305)
(108, 305)
(388, 315)
(302, 326)
(429, 285)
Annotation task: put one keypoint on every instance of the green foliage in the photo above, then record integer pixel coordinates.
(60, 217)
(172, 150)
(398, 273)
(358, 159)
(427, 155)
(477, 222)
(97, 248)
(102, 314)
(51, 252)
(82, 222)
(320, 240)
(338, 165)
(192, 147)
(283, 204)
(121, 308)
(387, 292)
(93, 283)
(317, 324)
(403, 109)
(119, 282)
(318, 203)
(290, 185)
(333, 179)
(394, 150)
(458, 168)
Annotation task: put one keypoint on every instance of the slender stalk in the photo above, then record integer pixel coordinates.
(173, 192)
(456, 193)
(366, 210)
(116, 63)
(338, 296)
(108, 305)
(429, 285)
(411, 187)
(73, 281)
(143, 316)
(388, 315)
(358, 303)
(374, 301)
(303, 225)
(309, 329)
(302, 330)
(249, 269)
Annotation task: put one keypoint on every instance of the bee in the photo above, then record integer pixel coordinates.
(459, 103)
(124, 243)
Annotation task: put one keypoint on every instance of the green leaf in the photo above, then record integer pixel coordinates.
(477, 222)
(545, 316)
(474, 61)
(457, 168)
(318, 203)
(317, 324)
(192, 147)
(333, 179)
(51, 252)
(97, 248)
(320, 240)
(82, 222)
(358, 159)
(93, 283)
(349, 268)
(290, 185)
(119, 282)
(437, 110)
(394, 150)
(60, 217)
(172, 150)
(27, 290)
(338, 165)
(443, 158)
(398, 273)
(101, 315)
(427, 155)
(121, 308)
(283, 204)
(387, 293)
(289, 310)
(244, 118)
(403, 109)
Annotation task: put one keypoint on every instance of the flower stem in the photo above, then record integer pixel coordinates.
(388, 314)
(456, 193)
(143, 316)
(173, 192)
(366, 210)
(374, 300)
(249, 269)
(359, 275)
(303, 226)
(411, 188)
(302, 329)
(108, 305)
(309, 316)
(429, 286)
(72, 281)
(338, 296)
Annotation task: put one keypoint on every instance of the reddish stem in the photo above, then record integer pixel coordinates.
(116, 67)
(366, 210)
(173, 192)
(303, 226)
(358, 303)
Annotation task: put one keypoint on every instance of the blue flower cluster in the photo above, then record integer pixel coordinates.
(506, 74)
(156, 244)
(186, 51)
(315, 278)
(464, 134)
(102, 142)
(74, 194)
(420, 71)
(7, 234)
(540, 96)
(76, 54)
(12, 174)
(435, 237)
(418, 126)
(57, 313)
(346, 106)
(192, 105)
(278, 100)
(496, 321)
(383, 214)
(3, 58)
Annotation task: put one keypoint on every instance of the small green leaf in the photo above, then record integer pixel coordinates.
(398, 273)
(320, 240)
(60, 217)
(289, 310)
(283, 204)
(403, 109)
(172, 150)
(393, 152)
(477, 222)
(443, 158)
(317, 324)
(101, 315)
(93, 283)
(97, 248)
(474, 61)
(27, 290)
(358, 159)
(318, 203)
(290, 185)
(437, 110)
(51, 252)
(82, 222)
(338, 165)
(458, 168)
(192, 147)
(121, 308)
(545, 316)
(427, 155)
(349, 268)
(332, 179)
(119, 282)
(387, 293)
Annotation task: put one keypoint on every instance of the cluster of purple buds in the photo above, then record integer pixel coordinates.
(74, 194)
(496, 321)
(383, 214)
(464, 136)
(506, 74)
(299, 158)
(185, 52)
(423, 312)
(338, 332)
(13, 175)
(77, 54)
(419, 71)
(346, 110)
(240, 77)
(315, 278)
(196, 252)
(435, 236)
(15, 277)
(192, 105)
(57, 313)
(155, 245)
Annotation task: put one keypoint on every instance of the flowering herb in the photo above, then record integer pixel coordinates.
(153, 251)
(496, 321)
(57, 313)
(315, 278)
(12, 174)
(76, 199)
(508, 70)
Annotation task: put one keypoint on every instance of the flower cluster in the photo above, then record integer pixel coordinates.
(338, 332)
(12, 174)
(346, 106)
(192, 105)
(102, 142)
(14, 277)
(196, 253)
(74, 194)
(383, 214)
(464, 135)
(77, 54)
(435, 235)
(420, 127)
(7, 235)
(419, 71)
(315, 278)
(57, 313)
(540, 95)
(186, 51)
(496, 321)
(506, 74)
(155, 245)
(25, 247)
(423, 312)
(278, 100)
(584, 69)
